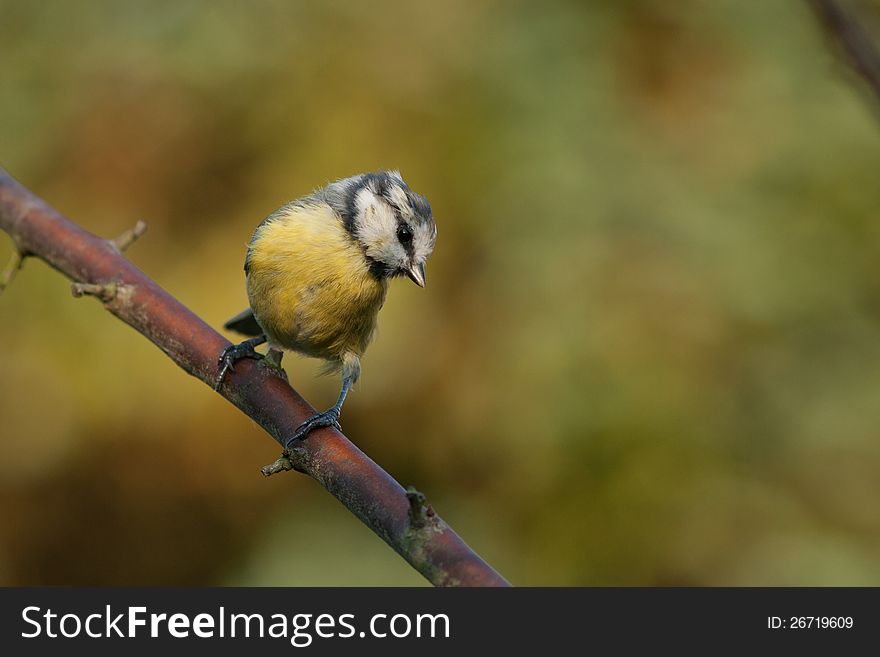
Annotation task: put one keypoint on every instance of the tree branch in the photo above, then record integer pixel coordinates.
(97, 267)
(853, 38)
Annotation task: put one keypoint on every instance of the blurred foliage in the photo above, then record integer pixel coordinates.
(648, 352)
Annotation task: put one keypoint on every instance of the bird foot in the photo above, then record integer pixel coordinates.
(230, 355)
(326, 419)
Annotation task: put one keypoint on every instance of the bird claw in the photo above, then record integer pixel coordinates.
(326, 419)
(230, 355)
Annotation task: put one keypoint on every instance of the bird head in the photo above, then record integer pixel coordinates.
(392, 224)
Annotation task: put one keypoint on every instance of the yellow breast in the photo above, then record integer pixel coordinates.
(310, 286)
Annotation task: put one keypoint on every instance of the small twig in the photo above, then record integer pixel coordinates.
(104, 291)
(130, 236)
(281, 464)
(8, 275)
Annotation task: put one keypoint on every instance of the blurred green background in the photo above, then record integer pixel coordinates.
(648, 352)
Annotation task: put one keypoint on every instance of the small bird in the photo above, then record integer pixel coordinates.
(317, 273)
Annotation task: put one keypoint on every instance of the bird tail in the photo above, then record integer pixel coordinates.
(244, 323)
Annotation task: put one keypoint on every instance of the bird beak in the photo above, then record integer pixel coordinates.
(416, 274)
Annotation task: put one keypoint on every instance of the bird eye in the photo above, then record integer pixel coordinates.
(404, 234)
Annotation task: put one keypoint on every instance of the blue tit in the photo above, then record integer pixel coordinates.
(318, 270)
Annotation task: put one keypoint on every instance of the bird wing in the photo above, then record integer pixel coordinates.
(244, 323)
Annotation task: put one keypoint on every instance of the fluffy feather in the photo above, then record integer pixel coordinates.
(310, 286)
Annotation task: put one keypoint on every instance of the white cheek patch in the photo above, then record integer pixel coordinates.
(364, 200)
(377, 229)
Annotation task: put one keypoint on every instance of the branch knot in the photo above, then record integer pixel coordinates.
(418, 514)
